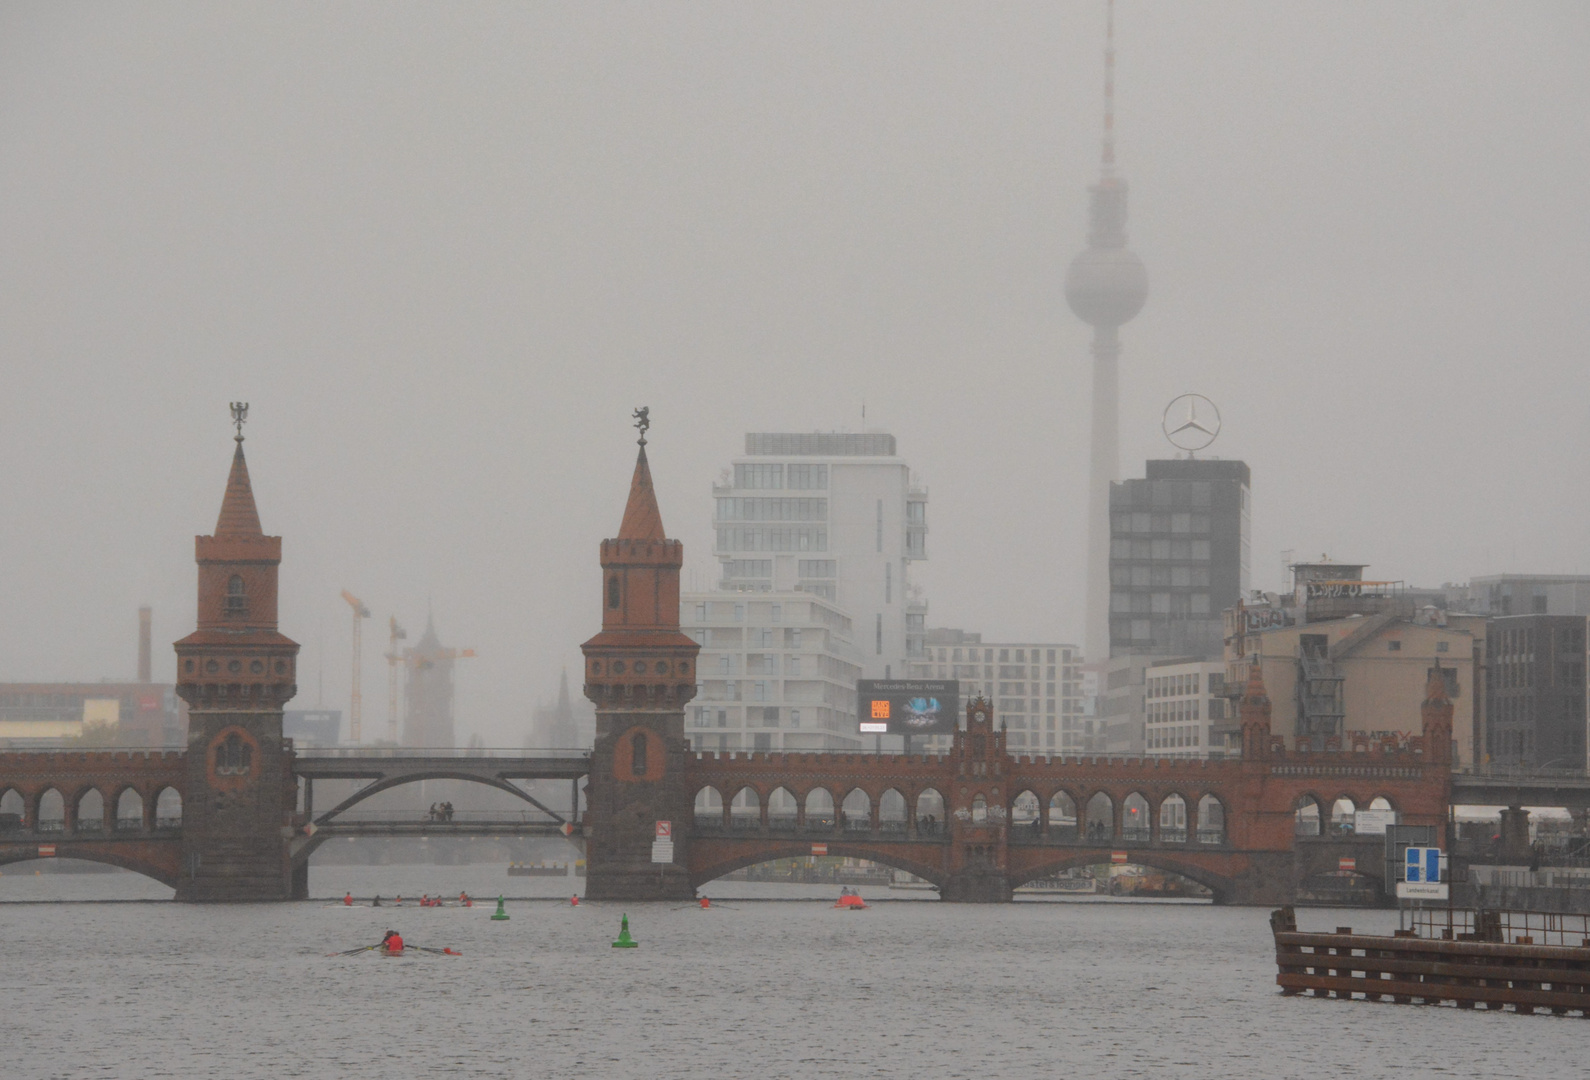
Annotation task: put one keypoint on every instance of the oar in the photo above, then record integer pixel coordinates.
(350, 952)
(438, 952)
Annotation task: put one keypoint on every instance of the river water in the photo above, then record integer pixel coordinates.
(750, 988)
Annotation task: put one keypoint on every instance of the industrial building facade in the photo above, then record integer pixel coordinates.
(1535, 700)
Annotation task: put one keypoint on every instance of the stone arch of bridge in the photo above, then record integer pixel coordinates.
(789, 850)
(1158, 858)
(387, 783)
(88, 810)
(111, 854)
(127, 810)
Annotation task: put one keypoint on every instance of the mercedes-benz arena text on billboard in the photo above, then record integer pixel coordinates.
(908, 706)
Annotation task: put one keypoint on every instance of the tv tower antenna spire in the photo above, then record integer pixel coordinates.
(1105, 286)
(1108, 157)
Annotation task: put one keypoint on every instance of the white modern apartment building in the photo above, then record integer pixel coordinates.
(836, 516)
(1036, 688)
(777, 671)
(1185, 712)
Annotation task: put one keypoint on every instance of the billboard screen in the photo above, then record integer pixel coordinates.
(908, 706)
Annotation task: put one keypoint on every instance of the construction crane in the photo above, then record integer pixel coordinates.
(394, 660)
(356, 706)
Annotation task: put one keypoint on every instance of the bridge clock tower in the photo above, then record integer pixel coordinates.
(640, 671)
(236, 672)
(978, 870)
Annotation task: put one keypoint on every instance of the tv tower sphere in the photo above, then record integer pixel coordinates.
(1106, 286)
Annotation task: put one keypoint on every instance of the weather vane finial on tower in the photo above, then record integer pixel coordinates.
(642, 422)
(239, 417)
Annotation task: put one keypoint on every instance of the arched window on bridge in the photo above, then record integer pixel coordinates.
(1342, 811)
(1306, 818)
(233, 756)
(781, 808)
(236, 596)
(637, 753)
(891, 812)
(979, 809)
(1211, 820)
(857, 811)
(1062, 816)
(52, 812)
(1024, 816)
(612, 591)
(90, 812)
(745, 811)
(1380, 802)
(13, 810)
(709, 809)
(1134, 818)
(129, 811)
(1173, 820)
(930, 813)
(1101, 817)
(168, 809)
(819, 810)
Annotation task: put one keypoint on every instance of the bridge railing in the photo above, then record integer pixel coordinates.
(457, 817)
(1520, 772)
(462, 753)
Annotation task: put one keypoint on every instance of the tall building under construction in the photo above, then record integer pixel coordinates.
(428, 717)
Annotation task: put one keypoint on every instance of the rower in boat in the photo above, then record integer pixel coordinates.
(392, 944)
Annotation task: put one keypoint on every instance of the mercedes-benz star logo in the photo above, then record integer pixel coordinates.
(1191, 422)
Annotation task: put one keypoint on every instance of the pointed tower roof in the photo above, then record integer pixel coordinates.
(428, 641)
(1435, 686)
(239, 517)
(1255, 688)
(565, 707)
(642, 519)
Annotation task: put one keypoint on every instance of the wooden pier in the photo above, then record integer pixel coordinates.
(1526, 961)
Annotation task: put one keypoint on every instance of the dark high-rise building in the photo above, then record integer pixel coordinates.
(1179, 555)
(1535, 691)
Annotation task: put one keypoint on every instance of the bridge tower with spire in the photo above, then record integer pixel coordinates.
(1106, 286)
(236, 672)
(640, 672)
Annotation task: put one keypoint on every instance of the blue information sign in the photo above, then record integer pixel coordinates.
(1423, 864)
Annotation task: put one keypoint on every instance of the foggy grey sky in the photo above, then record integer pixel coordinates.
(445, 249)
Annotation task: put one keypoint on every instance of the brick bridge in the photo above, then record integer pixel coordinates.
(118, 807)
(979, 822)
(124, 808)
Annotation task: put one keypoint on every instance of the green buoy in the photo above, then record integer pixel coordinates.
(624, 940)
(499, 915)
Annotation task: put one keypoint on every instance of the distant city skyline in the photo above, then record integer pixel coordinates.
(445, 262)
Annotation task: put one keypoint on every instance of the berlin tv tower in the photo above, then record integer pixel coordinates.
(1105, 286)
